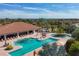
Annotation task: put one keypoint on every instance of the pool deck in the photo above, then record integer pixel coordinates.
(35, 35)
(4, 52)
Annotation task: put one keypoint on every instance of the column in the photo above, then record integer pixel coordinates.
(34, 31)
(27, 32)
(4, 37)
(5, 40)
(18, 35)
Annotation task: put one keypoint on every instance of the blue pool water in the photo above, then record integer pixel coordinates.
(29, 44)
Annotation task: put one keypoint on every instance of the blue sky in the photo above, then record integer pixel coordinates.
(39, 10)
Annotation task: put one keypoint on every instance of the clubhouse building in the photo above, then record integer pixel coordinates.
(16, 29)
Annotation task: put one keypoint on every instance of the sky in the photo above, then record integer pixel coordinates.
(39, 10)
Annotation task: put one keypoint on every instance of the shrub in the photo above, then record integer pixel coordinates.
(9, 47)
(74, 49)
(68, 45)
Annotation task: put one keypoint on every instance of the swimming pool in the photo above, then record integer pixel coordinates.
(29, 44)
(60, 35)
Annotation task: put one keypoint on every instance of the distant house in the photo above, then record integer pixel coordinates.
(17, 29)
(76, 24)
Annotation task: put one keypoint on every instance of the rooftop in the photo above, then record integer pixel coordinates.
(16, 27)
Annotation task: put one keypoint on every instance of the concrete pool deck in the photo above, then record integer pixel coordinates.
(4, 52)
(35, 35)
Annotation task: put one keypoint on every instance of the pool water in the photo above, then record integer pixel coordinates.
(29, 44)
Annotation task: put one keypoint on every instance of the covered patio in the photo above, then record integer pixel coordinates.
(17, 29)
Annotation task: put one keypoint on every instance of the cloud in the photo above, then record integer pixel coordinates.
(27, 8)
(39, 9)
(10, 5)
(23, 12)
(53, 14)
(16, 14)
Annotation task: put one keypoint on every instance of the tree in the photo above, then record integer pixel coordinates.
(74, 49)
(69, 28)
(68, 45)
(75, 34)
(59, 30)
(52, 50)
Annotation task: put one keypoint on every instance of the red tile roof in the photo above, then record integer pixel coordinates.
(17, 27)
